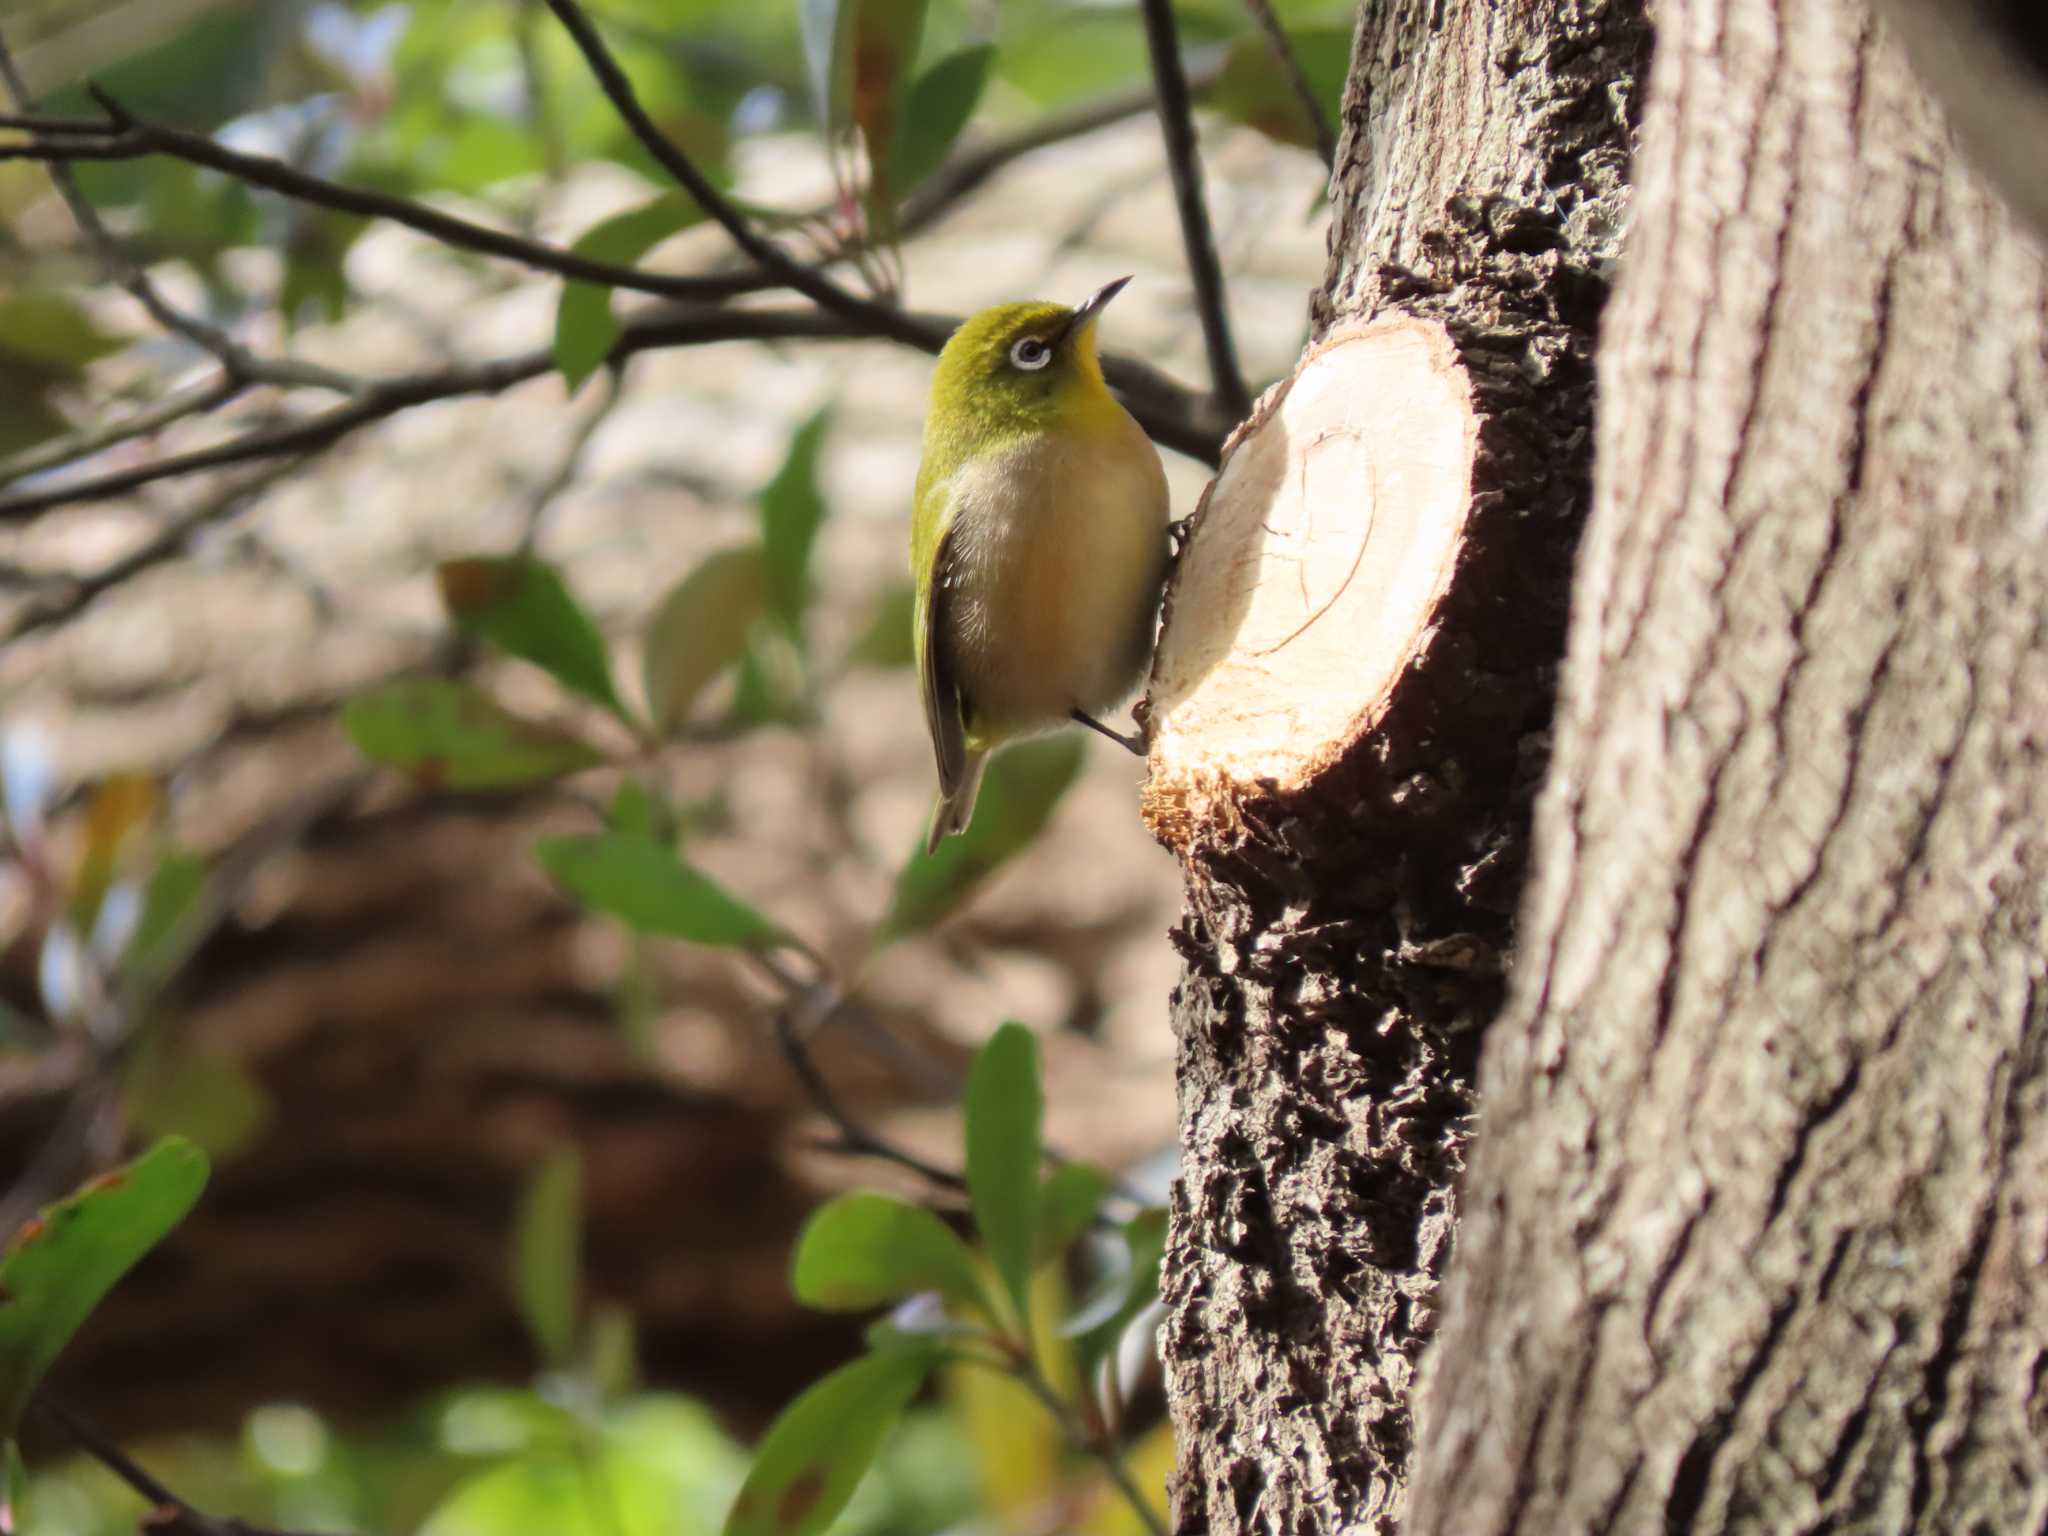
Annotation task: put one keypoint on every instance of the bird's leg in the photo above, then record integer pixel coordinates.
(1133, 743)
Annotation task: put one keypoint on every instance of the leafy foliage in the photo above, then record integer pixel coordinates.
(522, 606)
(448, 734)
(1005, 1111)
(862, 1250)
(55, 1270)
(821, 1446)
(546, 1243)
(651, 890)
(1022, 787)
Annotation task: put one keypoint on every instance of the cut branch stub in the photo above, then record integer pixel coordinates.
(1320, 556)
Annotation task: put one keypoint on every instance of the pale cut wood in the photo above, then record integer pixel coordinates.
(1318, 558)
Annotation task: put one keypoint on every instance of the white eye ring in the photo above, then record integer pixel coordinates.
(1030, 353)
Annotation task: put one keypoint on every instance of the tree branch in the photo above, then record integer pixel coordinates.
(83, 444)
(1176, 120)
(877, 319)
(125, 270)
(164, 547)
(136, 138)
(1171, 414)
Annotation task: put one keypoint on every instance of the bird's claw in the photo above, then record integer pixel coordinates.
(1133, 744)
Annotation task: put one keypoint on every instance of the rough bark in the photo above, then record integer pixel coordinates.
(1755, 1231)
(1351, 863)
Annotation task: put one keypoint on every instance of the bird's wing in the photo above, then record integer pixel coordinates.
(942, 714)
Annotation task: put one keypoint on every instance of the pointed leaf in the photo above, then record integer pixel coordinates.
(208, 1097)
(941, 103)
(447, 734)
(1131, 1285)
(57, 1267)
(1023, 784)
(863, 74)
(791, 510)
(546, 1250)
(699, 630)
(523, 607)
(862, 1250)
(815, 1453)
(1068, 1201)
(1254, 90)
(174, 911)
(585, 328)
(1005, 1110)
(651, 890)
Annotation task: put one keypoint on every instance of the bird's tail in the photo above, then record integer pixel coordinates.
(956, 809)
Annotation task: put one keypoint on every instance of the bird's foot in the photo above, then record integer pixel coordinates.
(1133, 743)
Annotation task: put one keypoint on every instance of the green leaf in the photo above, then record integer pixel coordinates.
(862, 1250)
(546, 1246)
(643, 813)
(652, 891)
(791, 510)
(862, 53)
(1023, 784)
(1005, 1111)
(941, 103)
(447, 734)
(699, 630)
(522, 606)
(45, 332)
(816, 1452)
(208, 1097)
(1130, 1287)
(1068, 1201)
(57, 1267)
(174, 910)
(653, 1465)
(585, 328)
(1254, 90)
(886, 642)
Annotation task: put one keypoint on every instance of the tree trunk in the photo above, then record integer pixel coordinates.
(1350, 711)
(1755, 1232)
(1756, 1228)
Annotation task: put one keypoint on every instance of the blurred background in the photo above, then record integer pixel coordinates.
(369, 1003)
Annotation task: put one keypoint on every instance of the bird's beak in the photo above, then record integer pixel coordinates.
(1092, 307)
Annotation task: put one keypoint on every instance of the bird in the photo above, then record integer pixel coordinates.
(1038, 541)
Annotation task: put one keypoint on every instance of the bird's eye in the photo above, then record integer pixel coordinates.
(1030, 353)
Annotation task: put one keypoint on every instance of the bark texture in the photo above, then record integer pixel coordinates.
(1346, 910)
(1756, 1228)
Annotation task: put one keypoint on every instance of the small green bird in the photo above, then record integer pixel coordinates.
(1038, 541)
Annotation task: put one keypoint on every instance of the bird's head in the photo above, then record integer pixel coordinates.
(1022, 367)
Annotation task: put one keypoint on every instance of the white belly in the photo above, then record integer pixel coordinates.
(1060, 557)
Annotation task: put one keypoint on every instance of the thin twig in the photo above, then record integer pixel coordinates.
(810, 1003)
(166, 546)
(544, 495)
(140, 139)
(964, 172)
(128, 273)
(1104, 1449)
(171, 1516)
(879, 319)
(1171, 414)
(83, 444)
(1176, 120)
(1290, 66)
